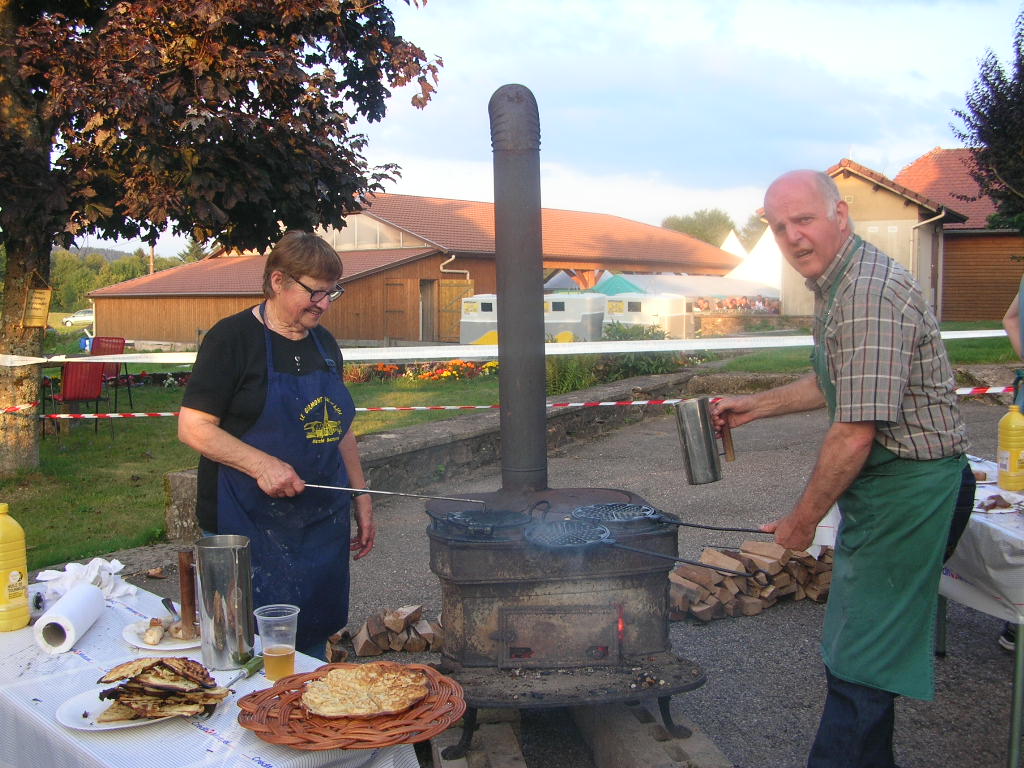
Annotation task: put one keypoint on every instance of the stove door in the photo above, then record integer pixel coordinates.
(557, 636)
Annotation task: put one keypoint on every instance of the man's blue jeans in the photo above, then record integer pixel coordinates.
(856, 727)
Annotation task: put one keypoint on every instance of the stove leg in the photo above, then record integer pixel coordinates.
(455, 751)
(677, 731)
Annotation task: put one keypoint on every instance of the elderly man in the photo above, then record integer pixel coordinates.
(892, 459)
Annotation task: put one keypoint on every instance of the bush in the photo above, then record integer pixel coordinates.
(568, 373)
(623, 366)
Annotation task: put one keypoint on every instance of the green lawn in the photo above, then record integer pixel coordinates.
(96, 492)
(961, 352)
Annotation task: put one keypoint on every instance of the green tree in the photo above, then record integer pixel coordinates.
(711, 225)
(752, 231)
(223, 119)
(994, 130)
(192, 252)
(72, 276)
(135, 265)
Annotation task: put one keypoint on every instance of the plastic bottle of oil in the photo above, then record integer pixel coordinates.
(1011, 450)
(13, 574)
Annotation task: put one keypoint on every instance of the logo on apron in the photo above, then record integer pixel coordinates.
(321, 420)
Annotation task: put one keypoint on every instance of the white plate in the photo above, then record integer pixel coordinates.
(1016, 501)
(132, 633)
(80, 712)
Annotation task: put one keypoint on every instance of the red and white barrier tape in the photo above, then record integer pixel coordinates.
(105, 415)
(984, 390)
(965, 391)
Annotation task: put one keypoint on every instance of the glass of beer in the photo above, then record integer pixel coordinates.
(276, 625)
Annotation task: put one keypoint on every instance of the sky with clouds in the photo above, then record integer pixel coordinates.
(659, 107)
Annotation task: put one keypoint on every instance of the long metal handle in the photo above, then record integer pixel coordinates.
(396, 493)
(717, 528)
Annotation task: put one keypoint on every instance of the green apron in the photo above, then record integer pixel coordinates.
(895, 518)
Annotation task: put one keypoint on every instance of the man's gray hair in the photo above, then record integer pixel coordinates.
(831, 195)
(829, 192)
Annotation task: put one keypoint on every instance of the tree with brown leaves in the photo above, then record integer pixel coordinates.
(225, 119)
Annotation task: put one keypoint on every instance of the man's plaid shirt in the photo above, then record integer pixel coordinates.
(886, 357)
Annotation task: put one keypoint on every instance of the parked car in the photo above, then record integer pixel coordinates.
(85, 316)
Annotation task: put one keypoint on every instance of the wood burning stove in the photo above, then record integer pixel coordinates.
(528, 623)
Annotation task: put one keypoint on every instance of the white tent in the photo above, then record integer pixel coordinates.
(763, 264)
(732, 245)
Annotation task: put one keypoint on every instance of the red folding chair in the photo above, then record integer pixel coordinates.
(80, 383)
(113, 345)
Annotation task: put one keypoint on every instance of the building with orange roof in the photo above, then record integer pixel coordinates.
(408, 261)
(982, 266)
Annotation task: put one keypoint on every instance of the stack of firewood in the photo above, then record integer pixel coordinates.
(403, 629)
(772, 573)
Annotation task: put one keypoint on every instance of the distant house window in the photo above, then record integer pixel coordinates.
(486, 306)
(633, 306)
(558, 306)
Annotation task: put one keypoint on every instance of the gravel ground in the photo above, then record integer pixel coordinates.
(765, 685)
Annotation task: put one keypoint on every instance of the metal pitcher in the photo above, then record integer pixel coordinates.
(224, 603)
(700, 447)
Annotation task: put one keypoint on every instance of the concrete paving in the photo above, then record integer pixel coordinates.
(765, 688)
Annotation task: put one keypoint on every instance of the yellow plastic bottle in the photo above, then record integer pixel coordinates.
(13, 574)
(1011, 450)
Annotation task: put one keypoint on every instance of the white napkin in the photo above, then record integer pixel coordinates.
(98, 572)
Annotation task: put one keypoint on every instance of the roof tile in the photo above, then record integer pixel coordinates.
(944, 175)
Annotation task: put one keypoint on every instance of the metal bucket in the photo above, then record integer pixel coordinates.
(224, 601)
(697, 435)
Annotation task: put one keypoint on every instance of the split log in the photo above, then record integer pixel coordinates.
(678, 600)
(399, 619)
(768, 549)
(693, 591)
(399, 639)
(706, 577)
(364, 645)
(376, 630)
(773, 572)
(715, 558)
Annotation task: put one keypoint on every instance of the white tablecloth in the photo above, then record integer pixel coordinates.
(985, 572)
(34, 684)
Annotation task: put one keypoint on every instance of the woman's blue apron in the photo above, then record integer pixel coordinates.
(299, 546)
(895, 519)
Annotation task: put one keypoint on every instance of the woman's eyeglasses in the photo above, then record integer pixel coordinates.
(318, 296)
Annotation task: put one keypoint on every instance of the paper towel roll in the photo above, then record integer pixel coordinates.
(57, 630)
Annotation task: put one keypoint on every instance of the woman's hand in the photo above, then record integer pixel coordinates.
(366, 528)
(278, 479)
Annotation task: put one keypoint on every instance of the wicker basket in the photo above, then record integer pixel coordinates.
(277, 716)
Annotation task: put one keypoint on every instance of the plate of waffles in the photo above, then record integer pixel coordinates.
(146, 691)
(84, 712)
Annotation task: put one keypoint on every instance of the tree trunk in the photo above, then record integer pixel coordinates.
(31, 214)
(20, 431)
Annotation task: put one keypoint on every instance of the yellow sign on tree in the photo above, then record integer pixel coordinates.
(37, 308)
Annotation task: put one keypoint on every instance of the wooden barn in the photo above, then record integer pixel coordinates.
(408, 262)
(982, 267)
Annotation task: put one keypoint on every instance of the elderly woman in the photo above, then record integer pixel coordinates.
(268, 411)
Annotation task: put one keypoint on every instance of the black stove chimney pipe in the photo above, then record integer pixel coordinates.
(522, 377)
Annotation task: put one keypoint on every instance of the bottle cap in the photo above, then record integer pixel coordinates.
(3, 508)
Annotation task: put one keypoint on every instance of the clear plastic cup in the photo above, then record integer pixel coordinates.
(276, 625)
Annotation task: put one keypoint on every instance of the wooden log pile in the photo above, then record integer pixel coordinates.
(403, 629)
(772, 573)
